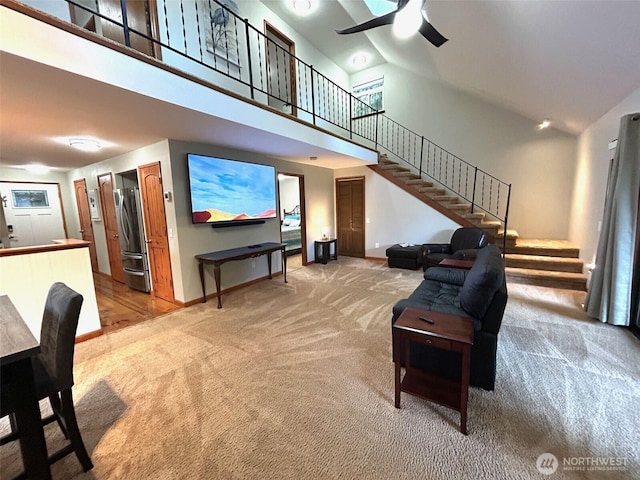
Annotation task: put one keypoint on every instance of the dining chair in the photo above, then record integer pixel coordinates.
(53, 371)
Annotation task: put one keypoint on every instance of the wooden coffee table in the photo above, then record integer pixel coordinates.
(439, 330)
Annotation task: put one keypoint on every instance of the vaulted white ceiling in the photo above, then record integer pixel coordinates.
(569, 60)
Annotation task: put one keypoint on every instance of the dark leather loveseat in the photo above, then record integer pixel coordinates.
(479, 293)
(463, 245)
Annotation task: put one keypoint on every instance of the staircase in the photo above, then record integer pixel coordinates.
(548, 263)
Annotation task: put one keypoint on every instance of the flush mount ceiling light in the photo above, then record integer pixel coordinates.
(85, 144)
(360, 59)
(37, 168)
(544, 124)
(302, 7)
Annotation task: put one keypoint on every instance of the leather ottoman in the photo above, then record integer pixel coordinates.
(405, 257)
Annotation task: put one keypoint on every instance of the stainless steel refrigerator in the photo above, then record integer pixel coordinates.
(132, 240)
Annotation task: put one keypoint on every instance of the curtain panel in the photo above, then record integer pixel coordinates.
(610, 292)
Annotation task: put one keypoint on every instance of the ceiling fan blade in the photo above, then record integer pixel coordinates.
(373, 23)
(429, 32)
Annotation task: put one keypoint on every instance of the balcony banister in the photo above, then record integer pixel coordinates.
(318, 99)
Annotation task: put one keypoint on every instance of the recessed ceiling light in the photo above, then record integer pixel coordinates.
(85, 144)
(544, 124)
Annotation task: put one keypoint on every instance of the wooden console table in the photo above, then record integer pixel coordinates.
(438, 330)
(241, 253)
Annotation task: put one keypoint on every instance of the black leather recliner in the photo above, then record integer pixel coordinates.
(479, 293)
(464, 244)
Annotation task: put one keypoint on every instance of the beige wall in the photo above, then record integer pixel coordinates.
(539, 164)
(592, 171)
(196, 239)
(394, 216)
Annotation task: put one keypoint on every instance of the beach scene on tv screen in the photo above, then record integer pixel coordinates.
(225, 190)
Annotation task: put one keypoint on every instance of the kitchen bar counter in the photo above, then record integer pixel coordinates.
(64, 244)
(29, 272)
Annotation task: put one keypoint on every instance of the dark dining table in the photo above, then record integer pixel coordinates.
(17, 347)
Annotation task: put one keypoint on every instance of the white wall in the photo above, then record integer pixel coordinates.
(197, 239)
(394, 216)
(539, 164)
(592, 171)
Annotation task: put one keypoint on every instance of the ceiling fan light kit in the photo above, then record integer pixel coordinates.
(416, 18)
(408, 20)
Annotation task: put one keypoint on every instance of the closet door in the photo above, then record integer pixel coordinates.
(350, 208)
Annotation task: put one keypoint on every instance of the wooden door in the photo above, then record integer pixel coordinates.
(105, 183)
(142, 17)
(281, 70)
(155, 224)
(86, 227)
(350, 208)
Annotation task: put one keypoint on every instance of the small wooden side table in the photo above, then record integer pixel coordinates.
(322, 250)
(439, 330)
(456, 263)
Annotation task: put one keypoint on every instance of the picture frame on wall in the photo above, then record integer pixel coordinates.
(94, 204)
(221, 30)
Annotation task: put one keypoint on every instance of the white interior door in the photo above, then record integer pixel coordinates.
(33, 213)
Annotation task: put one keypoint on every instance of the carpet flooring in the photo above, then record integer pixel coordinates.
(295, 381)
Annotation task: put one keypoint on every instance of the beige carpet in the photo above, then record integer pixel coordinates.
(295, 381)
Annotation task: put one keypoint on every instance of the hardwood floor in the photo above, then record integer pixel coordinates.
(119, 306)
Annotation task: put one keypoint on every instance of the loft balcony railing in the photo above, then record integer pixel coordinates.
(207, 39)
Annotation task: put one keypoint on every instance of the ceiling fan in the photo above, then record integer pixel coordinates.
(427, 30)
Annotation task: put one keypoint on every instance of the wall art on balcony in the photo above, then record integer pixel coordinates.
(222, 29)
(30, 199)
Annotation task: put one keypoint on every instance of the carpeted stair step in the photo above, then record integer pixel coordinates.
(544, 278)
(550, 248)
(543, 262)
(445, 198)
(475, 218)
(419, 182)
(405, 175)
(393, 167)
(511, 240)
(459, 208)
(431, 191)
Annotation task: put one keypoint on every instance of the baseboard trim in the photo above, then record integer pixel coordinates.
(88, 336)
(224, 291)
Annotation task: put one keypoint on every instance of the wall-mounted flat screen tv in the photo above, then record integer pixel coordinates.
(229, 192)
